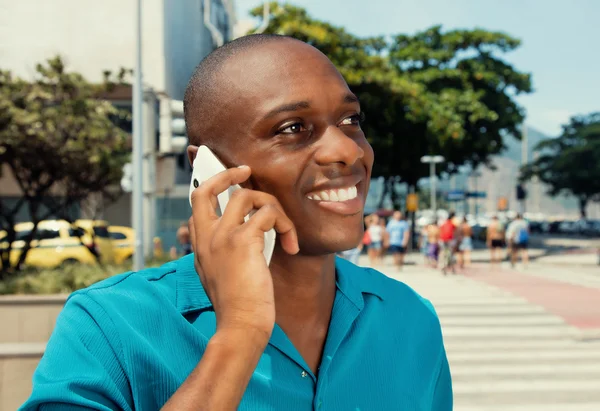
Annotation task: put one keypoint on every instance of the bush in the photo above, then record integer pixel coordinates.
(65, 279)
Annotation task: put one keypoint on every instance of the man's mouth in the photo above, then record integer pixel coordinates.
(335, 195)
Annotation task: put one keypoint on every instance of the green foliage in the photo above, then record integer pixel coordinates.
(65, 279)
(434, 92)
(59, 141)
(570, 163)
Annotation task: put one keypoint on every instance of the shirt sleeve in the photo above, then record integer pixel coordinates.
(80, 368)
(442, 394)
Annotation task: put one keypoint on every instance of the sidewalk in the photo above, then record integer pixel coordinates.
(578, 305)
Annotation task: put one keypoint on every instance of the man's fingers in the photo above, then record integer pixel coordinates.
(204, 198)
(271, 217)
(242, 202)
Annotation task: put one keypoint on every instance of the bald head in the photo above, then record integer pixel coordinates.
(208, 86)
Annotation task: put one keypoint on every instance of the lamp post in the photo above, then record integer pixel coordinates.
(432, 160)
(138, 153)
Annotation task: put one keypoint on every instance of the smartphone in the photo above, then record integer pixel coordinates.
(206, 165)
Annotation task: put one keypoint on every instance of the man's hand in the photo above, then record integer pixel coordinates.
(229, 252)
(233, 270)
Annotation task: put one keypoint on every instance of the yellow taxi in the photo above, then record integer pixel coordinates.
(57, 242)
(123, 240)
(98, 231)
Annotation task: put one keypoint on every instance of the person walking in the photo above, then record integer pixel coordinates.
(399, 235)
(433, 247)
(376, 239)
(495, 239)
(517, 236)
(466, 243)
(448, 241)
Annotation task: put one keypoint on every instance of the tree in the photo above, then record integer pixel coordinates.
(570, 163)
(430, 93)
(59, 142)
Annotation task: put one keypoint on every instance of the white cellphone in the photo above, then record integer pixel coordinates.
(206, 165)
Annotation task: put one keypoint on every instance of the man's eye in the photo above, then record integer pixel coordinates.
(292, 129)
(353, 120)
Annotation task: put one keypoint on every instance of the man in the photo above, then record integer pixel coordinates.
(399, 232)
(495, 239)
(221, 330)
(449, 243)
(517, 237)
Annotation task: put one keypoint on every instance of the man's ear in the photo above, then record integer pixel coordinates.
(191, 152)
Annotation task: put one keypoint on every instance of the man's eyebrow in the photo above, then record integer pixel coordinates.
(299, 105)
(350, 98)
(290, 107)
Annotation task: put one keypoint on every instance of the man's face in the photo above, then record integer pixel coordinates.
(291, 117)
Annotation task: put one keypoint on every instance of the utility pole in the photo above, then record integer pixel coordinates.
(433, 160)
(138, 148)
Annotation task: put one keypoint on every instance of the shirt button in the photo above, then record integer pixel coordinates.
(320, 403)
(303, 374)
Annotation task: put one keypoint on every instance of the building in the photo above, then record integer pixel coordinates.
(499, 183)
(94, 36)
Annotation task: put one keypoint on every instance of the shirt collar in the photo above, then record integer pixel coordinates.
(352, 281)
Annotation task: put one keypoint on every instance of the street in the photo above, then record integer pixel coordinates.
(517, 339)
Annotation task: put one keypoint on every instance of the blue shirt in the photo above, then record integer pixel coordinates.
(397, 230)
(130, 341)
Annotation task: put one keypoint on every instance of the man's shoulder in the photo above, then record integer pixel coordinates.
(133, 288)
(395, 295)
(399, 294)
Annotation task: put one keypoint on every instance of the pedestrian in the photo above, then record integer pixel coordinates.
(448, 243)
(385, 242)
(424, 243)
(222, 329)
(376, 232)
(466, 243)
(517, 236)
(399, 235)
(495, 239)
(433, 239)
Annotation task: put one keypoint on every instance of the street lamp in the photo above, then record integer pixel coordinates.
(432, 160)
(137, 195)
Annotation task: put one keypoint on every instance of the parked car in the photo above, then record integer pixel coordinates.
(57, 242)
(123, 240)
(97, 230)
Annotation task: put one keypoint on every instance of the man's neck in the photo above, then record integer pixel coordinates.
(304, 295)
(304, 287)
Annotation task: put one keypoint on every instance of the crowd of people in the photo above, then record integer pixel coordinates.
(451, 243)
(446, 245)
(381, 237)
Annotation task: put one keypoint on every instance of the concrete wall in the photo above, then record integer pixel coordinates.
(26, 324)
(94, 36)
(91, 35)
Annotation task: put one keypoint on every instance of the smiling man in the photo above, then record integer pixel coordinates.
(221, 330)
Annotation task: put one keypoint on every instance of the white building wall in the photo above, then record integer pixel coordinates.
(93, 36)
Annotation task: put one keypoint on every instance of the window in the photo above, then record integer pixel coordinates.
(76, 232)
(101, 232)
(22, 235)
(45, 234)
(118, 236)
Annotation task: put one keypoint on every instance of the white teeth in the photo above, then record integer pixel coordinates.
(342, 194)
(352, 193)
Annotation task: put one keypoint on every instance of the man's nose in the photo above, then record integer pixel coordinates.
(338, 147)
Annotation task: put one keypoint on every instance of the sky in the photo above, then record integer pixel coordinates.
(559, 41)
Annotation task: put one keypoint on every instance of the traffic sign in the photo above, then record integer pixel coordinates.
(455, 195)
(502, 204)
(412, 202)
(477, 194)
